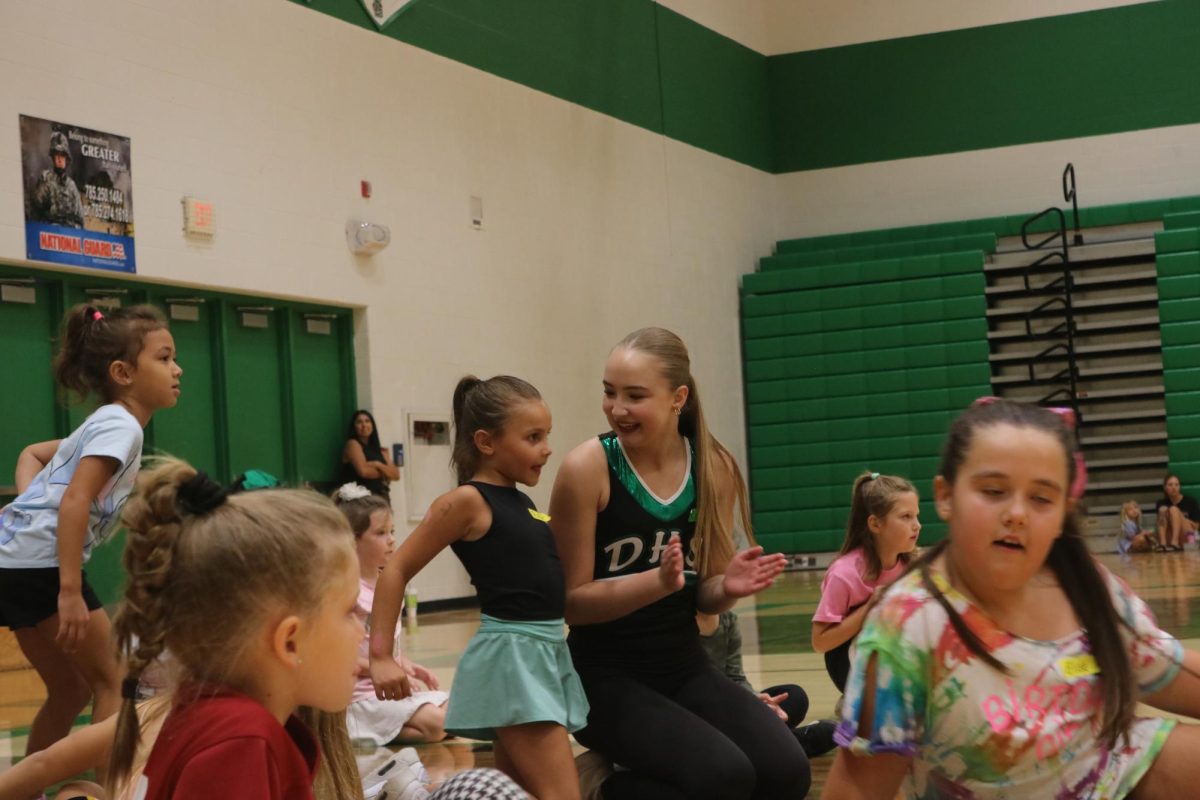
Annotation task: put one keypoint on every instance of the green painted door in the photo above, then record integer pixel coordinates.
(190, 430)
(28, 406)
(254, 388)
(322, 386)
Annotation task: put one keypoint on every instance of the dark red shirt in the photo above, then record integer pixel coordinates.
(229, 746)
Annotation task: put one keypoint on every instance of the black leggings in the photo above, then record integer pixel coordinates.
(837, 664)
(697, 736)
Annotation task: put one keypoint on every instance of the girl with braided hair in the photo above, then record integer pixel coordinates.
(254, 596)
(70, 493)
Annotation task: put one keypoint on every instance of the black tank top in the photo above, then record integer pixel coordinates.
(373, 485)
(631, 533)
(514, 566)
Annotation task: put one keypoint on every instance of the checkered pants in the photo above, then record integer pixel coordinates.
(479, 784)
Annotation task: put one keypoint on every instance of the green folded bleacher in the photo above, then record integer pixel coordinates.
(857, 358)
(1178, 263)
(1008, 225)
(860, 347)
(984, 242)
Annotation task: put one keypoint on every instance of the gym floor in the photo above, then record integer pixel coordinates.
(775, 628)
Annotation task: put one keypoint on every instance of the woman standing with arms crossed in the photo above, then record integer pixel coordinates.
(364, 460)
(643, 518)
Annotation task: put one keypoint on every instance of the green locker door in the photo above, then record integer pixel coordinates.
(190, 430)
(254, 388)
(323, 391)
(28, 320)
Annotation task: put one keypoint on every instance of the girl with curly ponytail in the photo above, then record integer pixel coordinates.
(70, 493)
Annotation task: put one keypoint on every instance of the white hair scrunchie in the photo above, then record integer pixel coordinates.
(352, 491)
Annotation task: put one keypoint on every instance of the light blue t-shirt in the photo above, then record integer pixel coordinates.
(29, 524)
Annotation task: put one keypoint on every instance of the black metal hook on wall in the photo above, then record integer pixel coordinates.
(1070, 196)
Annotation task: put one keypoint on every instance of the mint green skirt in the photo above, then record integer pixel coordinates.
(513, 673)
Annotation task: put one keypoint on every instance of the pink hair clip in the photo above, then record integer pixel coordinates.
(1080, 483)
(97, 315)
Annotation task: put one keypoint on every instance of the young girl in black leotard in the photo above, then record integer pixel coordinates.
(514, 682)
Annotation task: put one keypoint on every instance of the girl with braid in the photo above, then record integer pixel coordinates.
(1007, 663)
(70, 496)
(644, 519)
(254, 596)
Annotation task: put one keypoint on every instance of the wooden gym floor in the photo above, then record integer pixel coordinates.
(775, 629)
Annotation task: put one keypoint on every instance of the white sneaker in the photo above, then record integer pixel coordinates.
(405, 760)
(405, 785)
(593, 770)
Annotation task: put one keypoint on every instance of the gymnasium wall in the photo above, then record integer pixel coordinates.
(964, 123)
(592, 226)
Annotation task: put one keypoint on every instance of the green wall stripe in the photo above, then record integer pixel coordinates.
(714, 91)
(629, 59)
(1086, 74)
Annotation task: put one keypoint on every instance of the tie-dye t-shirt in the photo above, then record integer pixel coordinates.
(974, 732)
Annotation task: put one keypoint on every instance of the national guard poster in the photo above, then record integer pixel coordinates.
(78, 195)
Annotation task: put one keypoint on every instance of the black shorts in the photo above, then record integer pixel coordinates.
(28, 596)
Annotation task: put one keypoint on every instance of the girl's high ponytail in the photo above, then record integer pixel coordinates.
(482, 405)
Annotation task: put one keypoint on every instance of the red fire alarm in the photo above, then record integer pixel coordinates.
(366, 188)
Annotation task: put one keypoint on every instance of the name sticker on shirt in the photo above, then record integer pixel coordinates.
(539, 516)
(1073, 667)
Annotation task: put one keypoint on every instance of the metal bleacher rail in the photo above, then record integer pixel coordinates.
(1098, 350)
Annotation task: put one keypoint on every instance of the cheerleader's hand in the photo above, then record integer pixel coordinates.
(670, 568)
(390, 679)
(749, 572)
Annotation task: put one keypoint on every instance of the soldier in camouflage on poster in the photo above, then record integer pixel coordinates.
(56, 197)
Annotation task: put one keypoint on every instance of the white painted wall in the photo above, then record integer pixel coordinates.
(794, 25)
(592, 227)
(1120, 168)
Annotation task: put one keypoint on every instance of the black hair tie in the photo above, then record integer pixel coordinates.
(129, 688)
(200, 494)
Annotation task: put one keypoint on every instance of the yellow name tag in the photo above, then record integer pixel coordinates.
(539, 516)
(1078, 666)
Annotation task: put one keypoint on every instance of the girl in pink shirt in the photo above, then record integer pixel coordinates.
(881, 534)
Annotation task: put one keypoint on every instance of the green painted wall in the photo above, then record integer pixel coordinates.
(629, 59)
(1087, 74)
(1097, 72)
